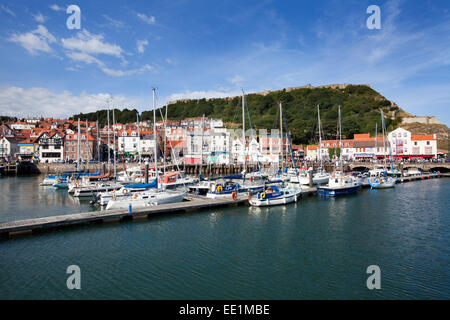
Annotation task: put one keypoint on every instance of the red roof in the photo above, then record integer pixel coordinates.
(423, 137)
(362, 136)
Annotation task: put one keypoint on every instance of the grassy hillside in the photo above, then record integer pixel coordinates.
(360, 107)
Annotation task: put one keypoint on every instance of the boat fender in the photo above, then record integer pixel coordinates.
(234, 195)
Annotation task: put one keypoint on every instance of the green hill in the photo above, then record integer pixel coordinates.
(360, 107)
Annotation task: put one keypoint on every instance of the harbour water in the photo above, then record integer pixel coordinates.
(316, 249)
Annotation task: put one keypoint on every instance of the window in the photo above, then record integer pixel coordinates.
(428, 143)
(415, 143)
(405, 135)
(394, 134)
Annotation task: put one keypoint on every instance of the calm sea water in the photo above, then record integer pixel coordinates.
(315, 249)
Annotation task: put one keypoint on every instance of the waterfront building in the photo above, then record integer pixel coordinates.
(147, 145)
(197, 146)
(51, 147)
(28, 150)
(8, 148)
(220, 146)
(270, 146)
(128, 141)
(87, 149)
(312, 152)
(407, 146)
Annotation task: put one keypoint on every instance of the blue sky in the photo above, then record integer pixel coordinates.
(193, 49)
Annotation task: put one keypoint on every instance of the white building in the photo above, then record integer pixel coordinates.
(22, 125)
(147, 145)
(8, 147)
(407, 146)
(51, 147)
(220, 146)
(128, 141)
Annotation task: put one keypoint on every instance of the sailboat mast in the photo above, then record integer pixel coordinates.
(201, 146)
(114, 144)
(281, 136)
(109, 151)
(320, 136)
(165, 139)
(384, 140)
(78, 146)
(376, 140)
(243, 128)
(87, 143)
(155, 136)
(340, 141)
(98, 144)
(139, 138)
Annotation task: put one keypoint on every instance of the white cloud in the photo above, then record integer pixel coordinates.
(237, 79)
(39, 18)
(34, 41)
(7, 10)
(121, 73)
(89, 43)
(84, 47)
(141, 45)
(170, 61)
(146, 19)
(84, 57)
(55, 7)
(114, 23)
(41, 101)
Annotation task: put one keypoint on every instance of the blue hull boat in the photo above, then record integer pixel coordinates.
(334, 192)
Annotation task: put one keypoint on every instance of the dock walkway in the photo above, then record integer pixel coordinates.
(33, 225)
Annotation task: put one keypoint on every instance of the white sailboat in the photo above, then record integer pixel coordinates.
(339, 183)
(379, 178)
(274, 195)
(150, 197)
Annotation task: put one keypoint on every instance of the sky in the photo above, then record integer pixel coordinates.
(197, 49)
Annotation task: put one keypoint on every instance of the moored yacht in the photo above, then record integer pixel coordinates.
(273, 195)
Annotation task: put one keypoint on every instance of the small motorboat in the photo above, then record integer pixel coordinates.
(272, 196)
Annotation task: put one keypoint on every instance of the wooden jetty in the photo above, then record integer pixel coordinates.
(40, 224)
(194, 203)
